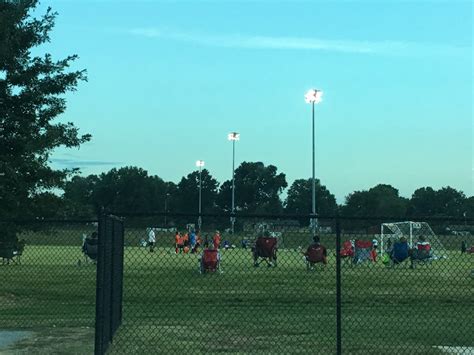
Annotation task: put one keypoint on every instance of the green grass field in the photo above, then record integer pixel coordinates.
(170, 308)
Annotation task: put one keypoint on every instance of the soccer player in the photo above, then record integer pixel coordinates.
(217, 240)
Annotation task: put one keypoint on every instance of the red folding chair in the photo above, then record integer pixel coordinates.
(362, 251)
(315, 254)
(209, 261)
(347, 251)
(266, 249)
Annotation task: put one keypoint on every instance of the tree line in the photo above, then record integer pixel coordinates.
(258, 190)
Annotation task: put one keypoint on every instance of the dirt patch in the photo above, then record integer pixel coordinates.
(54, 341)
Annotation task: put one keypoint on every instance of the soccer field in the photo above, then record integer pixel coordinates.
(170, 308)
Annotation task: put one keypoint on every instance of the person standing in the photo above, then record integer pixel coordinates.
(151, 239)
(192, 240)
(217, 240)
(177, 242)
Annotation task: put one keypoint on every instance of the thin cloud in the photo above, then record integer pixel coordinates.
(75, 163)
(302, 43)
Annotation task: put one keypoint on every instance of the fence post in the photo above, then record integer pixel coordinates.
(99, 291)
(338, 288)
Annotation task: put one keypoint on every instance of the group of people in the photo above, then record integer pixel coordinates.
(399, 251)
(395, 253)
(191, 242)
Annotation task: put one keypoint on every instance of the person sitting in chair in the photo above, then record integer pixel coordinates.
(316, 253)
(91, 246)
(421, 252)
(399, 251)
(265, 247)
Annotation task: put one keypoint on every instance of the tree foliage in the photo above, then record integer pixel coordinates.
(444, 202)
(129, 189)
(186, 199)
(32, 92)
(257, 189)
(299, 198)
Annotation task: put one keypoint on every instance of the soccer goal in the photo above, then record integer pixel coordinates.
(412, 231)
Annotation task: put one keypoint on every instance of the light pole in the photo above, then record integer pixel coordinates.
(233, 136)
(200, 164)
(313, 97)
(166, 209)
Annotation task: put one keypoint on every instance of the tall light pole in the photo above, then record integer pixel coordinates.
(313, 97)
(166, 209)
(200, 164)
(233, 136)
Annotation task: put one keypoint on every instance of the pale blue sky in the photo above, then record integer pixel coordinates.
(169, 79)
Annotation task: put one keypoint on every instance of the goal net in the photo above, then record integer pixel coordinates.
(412, 231)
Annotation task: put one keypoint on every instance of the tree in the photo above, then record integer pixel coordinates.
(78, 197)
(257, 189)
(445, 202)
(379, 201)
(187, 194)
(422, 202)
(129, 189)
(299, 198)
(31, 97)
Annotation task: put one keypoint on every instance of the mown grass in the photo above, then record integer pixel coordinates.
(170, 308)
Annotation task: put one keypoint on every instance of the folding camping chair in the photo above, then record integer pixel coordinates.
(11, 251)
(399, 253)
(347, 251)
(315, 254)
(209, 261)
(421, 254)
(362, 251)
(90, 248)
(266, 249)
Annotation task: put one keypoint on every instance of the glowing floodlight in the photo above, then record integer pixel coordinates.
(234, 136)
(313, 96)
(200, 163)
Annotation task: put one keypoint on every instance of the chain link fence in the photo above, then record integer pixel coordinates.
(271, 288)
(267, 288)
(47, 287)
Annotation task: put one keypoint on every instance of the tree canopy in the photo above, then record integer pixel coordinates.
(299, 198)
(257, 187)
(32, 92)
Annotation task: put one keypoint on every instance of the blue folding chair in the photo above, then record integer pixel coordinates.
(399, 253)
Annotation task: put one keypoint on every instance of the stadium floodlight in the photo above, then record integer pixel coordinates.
(233, 136)
(200, 164)
(313, 97)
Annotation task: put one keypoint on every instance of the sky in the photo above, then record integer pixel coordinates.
(168, 80)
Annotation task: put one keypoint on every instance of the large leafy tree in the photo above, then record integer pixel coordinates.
(186, 199)
(78, 196)
(299, 198)
(444, 202)
(32, 92)
(129, 189)
(379, 201)
(257, 189)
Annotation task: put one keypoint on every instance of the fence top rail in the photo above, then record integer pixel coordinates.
(125, 215)
(46, 220)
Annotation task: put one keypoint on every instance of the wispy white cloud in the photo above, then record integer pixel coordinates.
(302, 43)
(77, 163)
